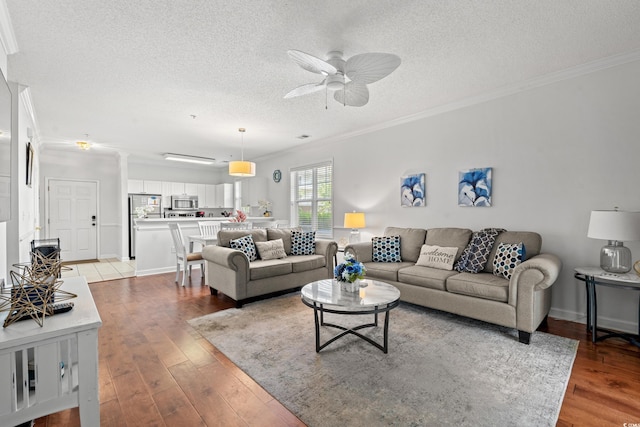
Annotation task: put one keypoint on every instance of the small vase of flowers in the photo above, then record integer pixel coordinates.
(349, 272)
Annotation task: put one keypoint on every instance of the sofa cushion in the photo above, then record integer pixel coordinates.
(458, 237)
(508, 257)
(245, 244)
(425, 277)
(225, 236)
(411, 240)
(437, 257)
(284, 234)
(306, 262)
(386, 249)
(532, 243)
(261, 269)
(272, 249)
(384, 270)
(303, 242)
(481, 285)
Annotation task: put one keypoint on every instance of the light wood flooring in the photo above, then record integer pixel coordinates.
(155, 370)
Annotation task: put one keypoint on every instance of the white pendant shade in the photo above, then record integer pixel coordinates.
(242, 168)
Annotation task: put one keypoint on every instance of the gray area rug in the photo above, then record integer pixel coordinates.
(441, 369)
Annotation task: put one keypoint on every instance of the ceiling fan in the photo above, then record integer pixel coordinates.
(347, 79)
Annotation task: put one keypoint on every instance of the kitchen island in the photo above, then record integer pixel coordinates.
(154, 248)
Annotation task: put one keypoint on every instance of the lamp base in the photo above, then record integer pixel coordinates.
(615, 258)
(354, 237)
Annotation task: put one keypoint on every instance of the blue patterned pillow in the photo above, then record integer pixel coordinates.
(508, 257)
(245, 244)
(386, 249)
(303, 242)
(476, 254)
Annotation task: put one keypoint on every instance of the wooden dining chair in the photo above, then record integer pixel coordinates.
(184, 258)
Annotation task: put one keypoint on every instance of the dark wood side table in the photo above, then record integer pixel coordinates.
(593, 277)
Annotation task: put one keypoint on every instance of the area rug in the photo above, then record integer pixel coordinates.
(441, 369)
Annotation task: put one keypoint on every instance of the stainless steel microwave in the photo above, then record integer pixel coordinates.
(183, 202)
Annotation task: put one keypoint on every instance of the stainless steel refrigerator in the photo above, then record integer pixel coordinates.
(142, 201)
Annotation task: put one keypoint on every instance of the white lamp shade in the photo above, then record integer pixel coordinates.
(614, 225)
(354, 220)
(242, 168)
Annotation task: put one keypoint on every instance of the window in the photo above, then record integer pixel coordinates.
(312, 198)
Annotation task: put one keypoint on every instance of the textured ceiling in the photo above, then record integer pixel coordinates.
(131, 73)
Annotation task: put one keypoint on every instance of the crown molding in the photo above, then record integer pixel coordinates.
(7, 36)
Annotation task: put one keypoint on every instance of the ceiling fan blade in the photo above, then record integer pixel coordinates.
(370, 67)
(354, 94)
(305, 90)
(311, 63)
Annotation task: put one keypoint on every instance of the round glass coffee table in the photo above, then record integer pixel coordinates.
(329, 296)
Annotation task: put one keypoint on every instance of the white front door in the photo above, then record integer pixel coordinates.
(73, 211)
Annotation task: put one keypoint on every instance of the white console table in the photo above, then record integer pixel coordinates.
(54, 367)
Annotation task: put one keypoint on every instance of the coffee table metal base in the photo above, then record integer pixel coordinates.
(320, 309)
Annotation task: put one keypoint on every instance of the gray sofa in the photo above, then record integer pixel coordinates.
(230, 272)
(522, 302)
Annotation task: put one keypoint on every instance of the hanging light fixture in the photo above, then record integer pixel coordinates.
(242, 168)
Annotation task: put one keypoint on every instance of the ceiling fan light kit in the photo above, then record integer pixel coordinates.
(242, 168)
(347, 79)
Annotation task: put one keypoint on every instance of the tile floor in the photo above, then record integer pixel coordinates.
(106, 269)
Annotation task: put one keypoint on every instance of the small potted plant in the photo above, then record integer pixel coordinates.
(266, 205)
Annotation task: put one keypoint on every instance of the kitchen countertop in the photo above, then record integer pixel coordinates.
(203, 218)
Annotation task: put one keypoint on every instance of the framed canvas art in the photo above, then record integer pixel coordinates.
(412, 190)
(474, 187)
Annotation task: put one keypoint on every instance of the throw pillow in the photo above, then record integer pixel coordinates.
(476, 254)
(508, 257)
(245, 244)
(437, 257)
(273, 249)
(386, 249)
(303, 242)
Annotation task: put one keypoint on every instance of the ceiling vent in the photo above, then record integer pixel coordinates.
(303, 136)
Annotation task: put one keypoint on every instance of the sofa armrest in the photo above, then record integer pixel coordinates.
(226, 257)
(363, 251)
(533, 275)
(329, 249)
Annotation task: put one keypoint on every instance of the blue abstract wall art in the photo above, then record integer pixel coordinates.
(474, 187)
(412, 190)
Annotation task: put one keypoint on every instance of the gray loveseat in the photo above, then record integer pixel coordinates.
(522, 302)
(230, 272)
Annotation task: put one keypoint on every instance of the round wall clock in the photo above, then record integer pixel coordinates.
(277, 175)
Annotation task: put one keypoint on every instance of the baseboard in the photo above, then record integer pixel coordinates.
(162, 270)
(603, 322)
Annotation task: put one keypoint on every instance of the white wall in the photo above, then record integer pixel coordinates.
(89, 166)
(175, 172)
(557, 152)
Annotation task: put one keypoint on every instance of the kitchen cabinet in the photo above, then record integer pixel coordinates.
(177, 188)
(191, 189)
(201, 192)
(152, 187)
(210, 196)
(135, 186)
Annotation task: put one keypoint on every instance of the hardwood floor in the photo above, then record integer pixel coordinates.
(155, 370)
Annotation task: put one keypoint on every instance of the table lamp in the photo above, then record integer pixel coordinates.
(614, 226)
(354, 221)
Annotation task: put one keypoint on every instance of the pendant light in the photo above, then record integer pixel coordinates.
(242, 168)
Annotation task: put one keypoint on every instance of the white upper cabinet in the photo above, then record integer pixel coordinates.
(201, 192)
(177, 188)
(152, 187)
(135, 186)
(210, 195)
(191, 189)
